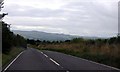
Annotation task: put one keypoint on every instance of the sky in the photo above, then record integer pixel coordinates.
(76, 17)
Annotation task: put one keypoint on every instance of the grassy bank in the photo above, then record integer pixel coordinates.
(105, 53)
(6, 58)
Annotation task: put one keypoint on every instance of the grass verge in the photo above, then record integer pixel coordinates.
(6, 58)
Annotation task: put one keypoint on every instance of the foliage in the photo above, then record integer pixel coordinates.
(9, 39)
(104, 51)
(6, 58)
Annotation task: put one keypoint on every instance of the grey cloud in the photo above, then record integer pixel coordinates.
(33, 12)
(86, 18)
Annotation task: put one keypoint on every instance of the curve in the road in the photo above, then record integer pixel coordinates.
(33, 59)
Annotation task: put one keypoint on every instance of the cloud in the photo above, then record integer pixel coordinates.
(53, 4)
(79, 17)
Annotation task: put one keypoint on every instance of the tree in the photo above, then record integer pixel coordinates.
(6, 38)
(31, 41)
(9, 39)
(1, 6)
(78, 40)
(112, 40)
(118, 39)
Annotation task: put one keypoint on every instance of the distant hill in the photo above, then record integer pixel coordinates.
(43, 35)
(47, 36)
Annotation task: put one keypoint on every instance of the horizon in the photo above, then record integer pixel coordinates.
(64, 34)
(86, 18)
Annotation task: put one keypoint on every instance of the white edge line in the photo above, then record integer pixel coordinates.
(96, 63)
(54, 62)
(12, 62)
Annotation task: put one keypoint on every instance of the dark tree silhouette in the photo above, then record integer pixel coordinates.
(9, 39)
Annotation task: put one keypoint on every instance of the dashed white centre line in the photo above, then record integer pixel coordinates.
(41, 52)
(45, 55)
(67, 71)
(54, 62)
(51, 59)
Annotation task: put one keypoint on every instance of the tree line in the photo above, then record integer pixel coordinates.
(112, 40)
(9, 39)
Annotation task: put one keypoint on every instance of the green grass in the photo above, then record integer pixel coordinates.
(6, 58)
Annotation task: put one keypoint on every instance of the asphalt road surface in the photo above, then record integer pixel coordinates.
(35, 60)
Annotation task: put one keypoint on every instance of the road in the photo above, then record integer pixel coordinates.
(36, 60)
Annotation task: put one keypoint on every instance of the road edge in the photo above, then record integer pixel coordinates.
(97, 63)
(12, 61)
(87, 60)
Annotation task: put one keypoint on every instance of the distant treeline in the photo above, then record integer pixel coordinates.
(112, 40)
(9, 39)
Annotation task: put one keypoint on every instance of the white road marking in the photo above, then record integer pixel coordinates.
(41, 52)
(45, 55)
(54, 62)
(51, 59)
(67, 71)
(12, 62)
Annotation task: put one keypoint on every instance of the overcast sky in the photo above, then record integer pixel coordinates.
(76, 17)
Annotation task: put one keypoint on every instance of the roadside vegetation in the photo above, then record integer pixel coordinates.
(10, 40)
(105, 51)
(12, 44)
(7, 58)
